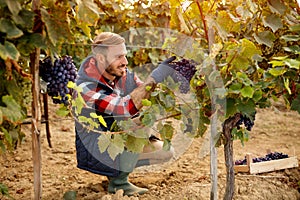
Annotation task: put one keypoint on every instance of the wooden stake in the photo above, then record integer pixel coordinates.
(36, 114)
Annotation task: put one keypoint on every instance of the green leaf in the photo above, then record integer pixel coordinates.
(230, 107)
(257, 95)
(87, 15)
(11, 50)
(70, 195)
(277, 6)
(12, 31)
(246, 107)
(57, 24)
(167, 131)
(276, 63)
(235, 88)
(273, 21)
(247, 91)
(63, 111)
(103, 142)
(148, 119)
(116, 146)
(292, 63)
(295, 28)
(146, 102)
(135, 144)
(291, 38)
(249, 49)
(8, 50)
(243, 78)
(1, 117)
(3, 189)
(296, 104)
(166, 145)
(13, 111)
(277, 71)
(293, 49)
(25, 18)
(265, 37)
(13, 6)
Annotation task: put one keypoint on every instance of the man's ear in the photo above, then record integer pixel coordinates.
(100, 58)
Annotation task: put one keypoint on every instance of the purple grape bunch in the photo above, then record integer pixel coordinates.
(57, 75)
(268, 157)
(248, 123)
(185, 70)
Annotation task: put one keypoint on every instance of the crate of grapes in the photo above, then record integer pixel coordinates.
(271, 162)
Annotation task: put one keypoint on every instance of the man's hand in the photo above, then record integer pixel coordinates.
(164, 70)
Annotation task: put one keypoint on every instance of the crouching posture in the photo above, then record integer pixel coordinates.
(112, 91)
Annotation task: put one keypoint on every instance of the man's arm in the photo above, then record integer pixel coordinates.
(111, 104)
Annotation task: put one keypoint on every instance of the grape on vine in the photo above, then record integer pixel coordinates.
(185, 70)
(57, 75)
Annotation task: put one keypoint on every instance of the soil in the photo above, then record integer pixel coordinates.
(187, 177)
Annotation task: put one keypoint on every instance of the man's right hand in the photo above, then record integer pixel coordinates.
(164, 70)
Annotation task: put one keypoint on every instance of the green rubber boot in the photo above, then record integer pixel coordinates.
(121, 182)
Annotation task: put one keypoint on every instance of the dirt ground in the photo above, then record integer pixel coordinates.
(187, 177)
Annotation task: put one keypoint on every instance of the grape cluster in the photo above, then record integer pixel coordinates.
(185, 71)
(268, 157)
(26, 85)
(248, 123)
(57, 75)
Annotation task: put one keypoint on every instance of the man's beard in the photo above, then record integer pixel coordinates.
(110, 71)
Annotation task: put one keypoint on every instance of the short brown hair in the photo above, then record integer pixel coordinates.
(105, 39)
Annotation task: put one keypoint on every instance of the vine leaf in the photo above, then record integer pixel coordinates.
(116, 146)
(57, 24)
(63, 111)
(87, 15)
(247, 91)
(12, 111)
(1, 117)
(135, 144)
(265, 37)
(277, 6)
(277, 71)
(12, 31)
(146, 102)
(100, 118)
(13, 6)
(296, 104)
(113, 144)
(273, 21)
(103, 142)
(8, 50)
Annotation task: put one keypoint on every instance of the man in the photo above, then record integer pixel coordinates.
(112, 91)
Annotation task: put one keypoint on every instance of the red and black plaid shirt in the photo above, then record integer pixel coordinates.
(109, 98)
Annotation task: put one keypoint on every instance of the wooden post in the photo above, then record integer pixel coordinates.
(214, 130)
(36, 114)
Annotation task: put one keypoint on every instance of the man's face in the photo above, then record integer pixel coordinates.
(116, 60)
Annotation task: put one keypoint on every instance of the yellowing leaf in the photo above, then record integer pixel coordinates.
(71, 85)
(102, 121)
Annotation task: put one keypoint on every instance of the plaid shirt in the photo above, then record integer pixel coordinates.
(111, 98)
